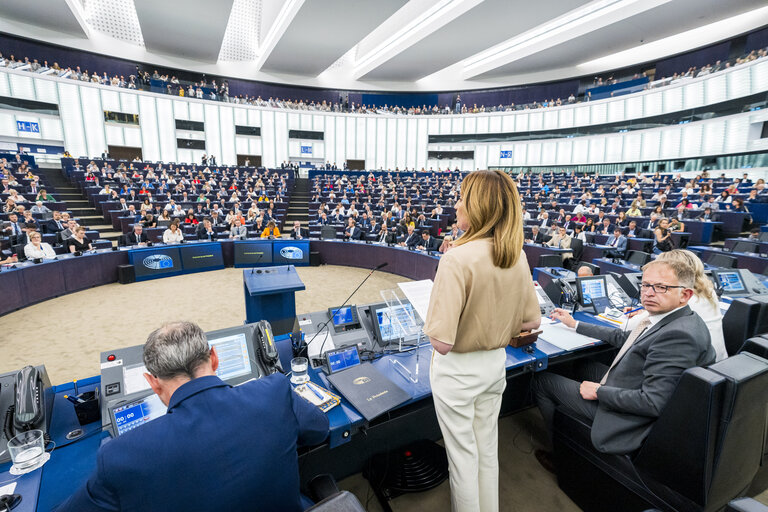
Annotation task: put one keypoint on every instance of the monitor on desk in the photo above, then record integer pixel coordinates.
(135, 413)
(393, 323)
(593, 290)
(730, 281)
(344, 319)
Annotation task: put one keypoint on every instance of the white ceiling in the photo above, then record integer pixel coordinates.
(386, 44)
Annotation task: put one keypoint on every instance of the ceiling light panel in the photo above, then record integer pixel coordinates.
(241, 39)
(115, 18)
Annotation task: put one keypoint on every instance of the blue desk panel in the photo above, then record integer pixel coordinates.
(155, 262)
(201, 256)
(253, 253)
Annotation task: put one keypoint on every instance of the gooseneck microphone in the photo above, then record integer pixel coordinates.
(335, 311)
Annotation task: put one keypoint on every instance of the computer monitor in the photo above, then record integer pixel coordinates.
(234, 357)
(344, 319)
(342, 358)
(133, 414)
(591, 288)
(393, 323)
(730, 281)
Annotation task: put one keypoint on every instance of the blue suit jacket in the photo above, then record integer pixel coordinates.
(218, 448)
(621, 245)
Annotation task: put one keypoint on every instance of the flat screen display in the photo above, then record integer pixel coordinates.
(137, 413)
(731, 281)
(592, 288)
(342, 359)
(395, 322)
(249, 253)
(234, 359)
(343, 316)
(156, 262)
(294, 252)
(201, 256)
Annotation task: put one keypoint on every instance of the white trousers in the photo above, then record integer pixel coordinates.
(467, 391)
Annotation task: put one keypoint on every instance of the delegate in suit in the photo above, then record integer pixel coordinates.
(623, 401)
(618, 242)
(218, 448)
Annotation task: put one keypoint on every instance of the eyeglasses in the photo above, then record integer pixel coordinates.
(657, 288)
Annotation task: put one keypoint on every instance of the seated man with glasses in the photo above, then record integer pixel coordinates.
(624, 400)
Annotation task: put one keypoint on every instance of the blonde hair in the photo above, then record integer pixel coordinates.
(702, 286)
(493, 209)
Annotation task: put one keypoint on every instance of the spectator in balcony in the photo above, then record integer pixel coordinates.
(173, 234)
(78, 242)
(37, 249)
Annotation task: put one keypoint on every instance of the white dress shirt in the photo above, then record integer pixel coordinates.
(170, 237)
(45, 251)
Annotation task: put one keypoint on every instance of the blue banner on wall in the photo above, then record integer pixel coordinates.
(506, 154)
(306, 150)
(27, 126)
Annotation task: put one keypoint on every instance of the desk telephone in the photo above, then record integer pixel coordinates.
(267, 350)
(26, 401)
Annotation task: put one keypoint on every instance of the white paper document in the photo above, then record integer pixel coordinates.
(563, 337)
(7, 489)
(418, 294)
(323, 340)
(133, 379)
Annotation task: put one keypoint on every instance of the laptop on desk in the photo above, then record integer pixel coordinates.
(368, 390)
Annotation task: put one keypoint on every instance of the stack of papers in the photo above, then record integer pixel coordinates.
(318, 396)
(564, 338)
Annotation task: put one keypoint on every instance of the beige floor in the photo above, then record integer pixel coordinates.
(112, 316)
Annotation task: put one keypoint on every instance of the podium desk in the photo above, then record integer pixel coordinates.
(270, 295)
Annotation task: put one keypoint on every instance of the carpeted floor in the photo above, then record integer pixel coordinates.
(112, 316)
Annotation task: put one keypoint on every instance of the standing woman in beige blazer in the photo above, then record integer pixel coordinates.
(483, 296)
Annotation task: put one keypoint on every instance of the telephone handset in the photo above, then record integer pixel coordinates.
(568, 294)
(266, 347)
(26, 405)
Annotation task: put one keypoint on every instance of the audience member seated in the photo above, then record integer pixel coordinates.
(205, 230)
(237, 230)
(584, 271)
(662, 238)
(353, 232)
(536, 236)
(209, 429)
(37, 249)
(708, 215)
(78, 242)
(136, 237)
(410, 239)
(446, 245)
(385, 236)
(173, 234)
(562, 240)
(619, 244)
(55, 224)
(428, 242)
(623, 400)
(299, 232)
(148, 221)
(271, 230)
(40, 208)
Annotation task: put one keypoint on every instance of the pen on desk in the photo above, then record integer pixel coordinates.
(313, 390)
(74, 399)
(634, 310)
(75, 383)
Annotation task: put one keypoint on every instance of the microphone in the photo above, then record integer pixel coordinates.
(325, 324)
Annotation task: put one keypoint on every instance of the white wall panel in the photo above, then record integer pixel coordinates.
(534, 153)
(22, 87)
(713, 138)
(445, 125)
(227, 130)
(480, 161)
(566, 118)
(129, 103)
(693, 95)
(536, 121)
(5, 86)
(50, 128)
(521, 122)
(166, 129)
(110, 100)
(381, 143)
(670, 143)
(294, 121)
(507, 124)
(7, 124)
(520, 153)
(651, 146)
(760, 76)
(30, 119)
(391, 143)
(254, 117)
(360, 137)
(616, 111)
(268, 139)
(196, 111)
(739, 82)
(580, 150)
(281, 137)
(551, 118)
(412, 140)
(581, 115)
(115, 135)
(652, 104)
(495, 124)
(632, 145)
(402, 143)
(149, 130)
(634, 106)
(736, 134)
(614, 147)
(93, 119)
(549, 153)
(254, 146)
(330, 138)
(181, 109)
(241, 119)
(317, 122)
(422, 143)
(212, 131)
(673, 99)
(341, 140)
(46, 91)
(457, 124)
(691, 139)
(351, 146)
(716, 89)
(599, 113)
(564, 151)
(305, 121)
(72, 119)
(132, 137)
(493, 156)
(596, 150)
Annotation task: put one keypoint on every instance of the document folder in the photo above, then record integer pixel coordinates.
(368, 390)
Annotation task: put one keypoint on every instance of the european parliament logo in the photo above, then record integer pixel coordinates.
(157, 262)
(291, 253)
(506, 154)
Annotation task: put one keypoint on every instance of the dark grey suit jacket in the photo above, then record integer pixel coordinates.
(640, 385)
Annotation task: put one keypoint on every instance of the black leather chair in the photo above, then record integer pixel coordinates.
(745, 318)
(703, 451)
(758, 345)
(638, 257)
(577, 247)
(327, 233)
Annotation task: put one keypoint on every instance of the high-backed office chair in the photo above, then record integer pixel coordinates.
(744, 246)
(638, 257)
(684, 238)
(327, 233)
(745, 318)
(550, 260)
(577, 247)
(704, 449)
(722, 260)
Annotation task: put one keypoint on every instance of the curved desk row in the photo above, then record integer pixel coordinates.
(28, 283)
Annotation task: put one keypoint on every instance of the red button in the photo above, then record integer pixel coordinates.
(111, 357)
